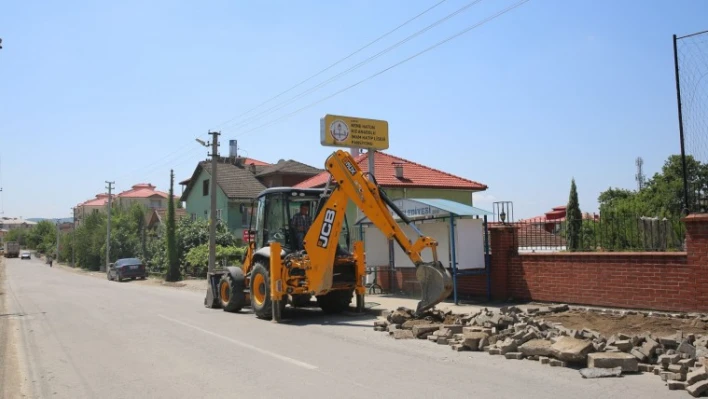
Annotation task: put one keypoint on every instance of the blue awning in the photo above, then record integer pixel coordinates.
(431, 208)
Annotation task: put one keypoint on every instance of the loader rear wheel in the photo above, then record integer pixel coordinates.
(335, 301)
(231, 294)
(261, 303)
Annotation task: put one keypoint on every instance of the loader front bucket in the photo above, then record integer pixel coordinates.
(435, 283)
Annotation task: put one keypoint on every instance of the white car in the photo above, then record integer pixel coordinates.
(25, 255)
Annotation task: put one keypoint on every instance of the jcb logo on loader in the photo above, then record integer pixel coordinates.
(326, 230)
(350, 167)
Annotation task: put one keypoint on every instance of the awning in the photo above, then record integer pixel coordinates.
(431, 208)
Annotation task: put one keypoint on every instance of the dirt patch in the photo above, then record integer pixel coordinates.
(608, 324)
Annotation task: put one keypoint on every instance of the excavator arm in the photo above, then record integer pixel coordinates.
(352, 185)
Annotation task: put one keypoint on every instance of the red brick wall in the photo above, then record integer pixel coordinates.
(672, 281)
(660, 281)
(675, 281)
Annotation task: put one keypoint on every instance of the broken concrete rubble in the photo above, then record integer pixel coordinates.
(677, 358)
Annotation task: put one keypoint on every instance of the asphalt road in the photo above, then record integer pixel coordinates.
(84, 337)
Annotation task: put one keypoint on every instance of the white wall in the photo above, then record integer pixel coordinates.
(469, 244)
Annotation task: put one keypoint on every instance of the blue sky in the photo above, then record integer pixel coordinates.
(96, 91)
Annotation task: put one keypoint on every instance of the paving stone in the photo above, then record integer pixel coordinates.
(668, 375)
(688, 349)
(624, 345)
(677, 368)
(698, 388)
(649, 347)
(536, 347)
(379, 328)
(559, 308)
(422, 331)
(601, 372)
(557, 363)
(403, 334)
(434, 338)
(676, 385)
(609, 360)
(695, 376)
(514, 355)
(458, 348)
(639, 355)
(544, 359)
(571, 350)
(687, 362)
(473, 339)
(443, 341)
(454, 328)
(495, 351)
(507, 346)
(381, 323)
(645, 367)
(669, 359)
(658, 370)
(668, 343)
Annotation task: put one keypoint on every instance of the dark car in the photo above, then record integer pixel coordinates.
(127, 268)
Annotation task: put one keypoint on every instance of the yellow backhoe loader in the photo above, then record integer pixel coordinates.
(290, 260)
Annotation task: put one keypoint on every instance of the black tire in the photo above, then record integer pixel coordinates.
(335, 301)
(231, 292)
(260, 288)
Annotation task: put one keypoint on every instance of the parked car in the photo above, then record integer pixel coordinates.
(126, 268)
(25, 255)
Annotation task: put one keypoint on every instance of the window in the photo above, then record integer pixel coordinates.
(205, 187)
(218, 214)
(155, 204)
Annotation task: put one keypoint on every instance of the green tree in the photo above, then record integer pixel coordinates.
(18, 235)
(173, 271)
(574, 219)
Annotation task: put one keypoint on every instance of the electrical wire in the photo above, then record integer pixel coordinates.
(357, 66)
(478, 24)
(334, 64)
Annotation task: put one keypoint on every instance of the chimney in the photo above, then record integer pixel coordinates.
(399, 169)
(252, 167)
(233, 148)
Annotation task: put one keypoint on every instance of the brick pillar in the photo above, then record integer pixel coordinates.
(503, 246)
(697, 251)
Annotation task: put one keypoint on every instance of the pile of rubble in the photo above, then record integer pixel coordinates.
(680, 360)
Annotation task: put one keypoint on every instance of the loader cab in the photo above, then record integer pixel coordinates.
(275, 210)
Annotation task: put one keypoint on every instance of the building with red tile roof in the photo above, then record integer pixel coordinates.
(144, 194)
(392, 171)
(85, 208)
(403, 178)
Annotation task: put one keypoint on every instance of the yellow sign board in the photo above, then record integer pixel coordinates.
(346, 131)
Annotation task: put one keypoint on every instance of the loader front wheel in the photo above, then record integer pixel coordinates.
(261, 303)
(335, 301)
(231, 294)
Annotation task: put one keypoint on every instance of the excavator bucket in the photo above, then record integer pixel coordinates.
(436, 285)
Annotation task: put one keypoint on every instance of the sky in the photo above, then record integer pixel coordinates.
(552, 90)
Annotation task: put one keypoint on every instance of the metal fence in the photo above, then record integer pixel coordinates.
(610, 233)
(691, 73)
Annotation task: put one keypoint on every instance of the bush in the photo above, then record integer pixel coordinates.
(197, 259)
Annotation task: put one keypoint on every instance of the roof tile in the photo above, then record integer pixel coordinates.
(414, 175)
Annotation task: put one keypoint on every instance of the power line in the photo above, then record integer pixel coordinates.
(484, 21)
(336, 63)
(357, 66)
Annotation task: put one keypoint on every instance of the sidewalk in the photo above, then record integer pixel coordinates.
(381, 302)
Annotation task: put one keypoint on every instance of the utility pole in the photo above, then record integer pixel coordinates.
(58, 231)
(73, 237)
(108, 233)
(212, 225)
